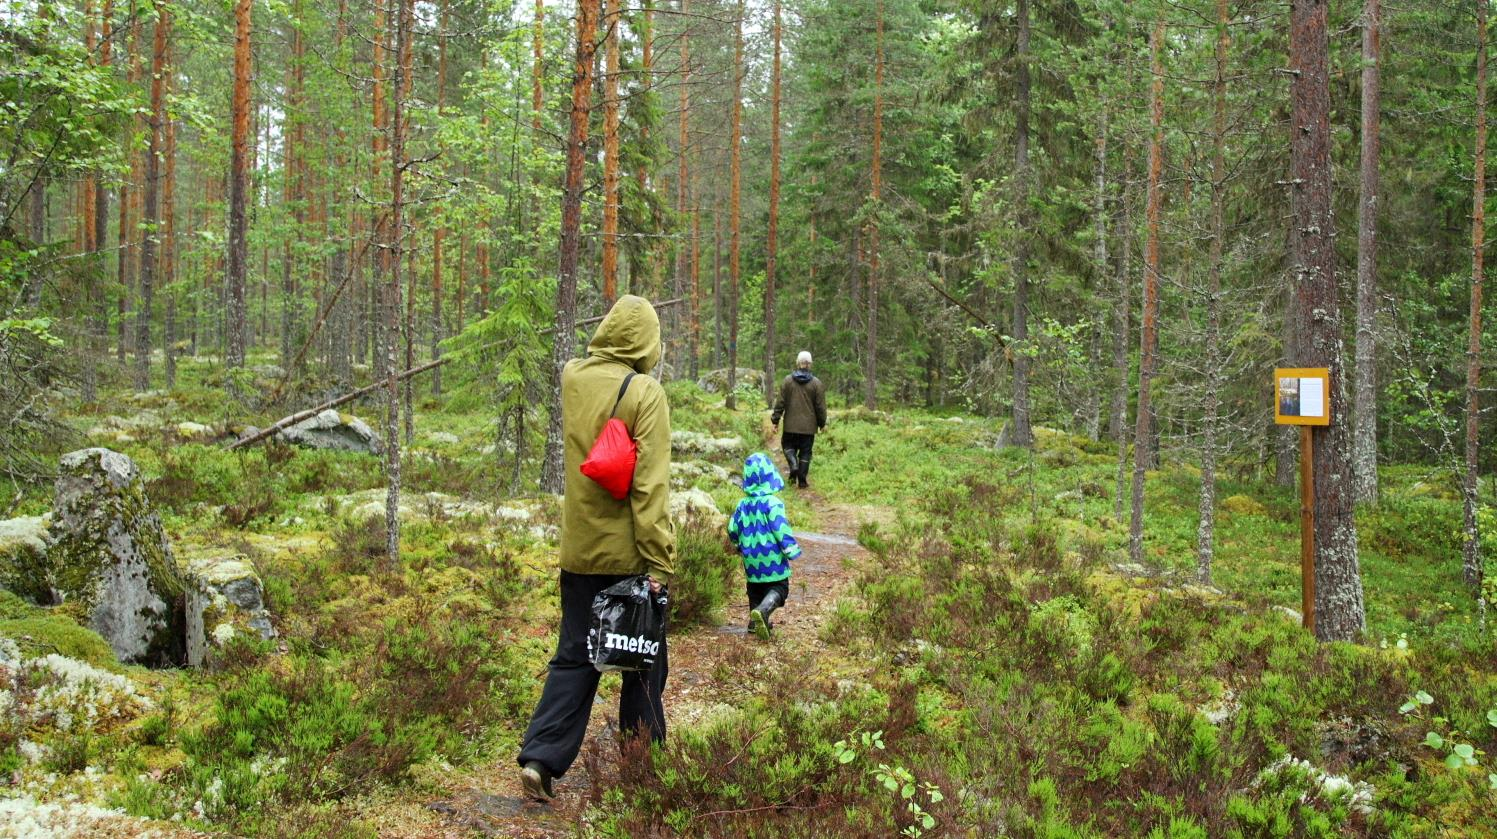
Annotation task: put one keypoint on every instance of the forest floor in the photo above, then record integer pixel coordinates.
(711, 668)
(950, 588)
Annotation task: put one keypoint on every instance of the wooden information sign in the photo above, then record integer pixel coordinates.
(1302, 397)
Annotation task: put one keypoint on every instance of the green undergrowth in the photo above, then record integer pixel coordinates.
(989, 673)
(1023, 687)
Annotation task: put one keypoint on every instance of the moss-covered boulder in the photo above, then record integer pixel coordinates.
(110, 560)
(332, 430)
(695, 506)
(23, 558)
(224, 598)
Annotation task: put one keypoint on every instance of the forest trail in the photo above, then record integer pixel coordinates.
(711, 668)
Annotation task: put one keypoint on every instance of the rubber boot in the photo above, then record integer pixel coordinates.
(772, 601)
(793, 462)
(804, 472)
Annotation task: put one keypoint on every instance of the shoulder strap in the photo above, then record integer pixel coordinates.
(623, 387)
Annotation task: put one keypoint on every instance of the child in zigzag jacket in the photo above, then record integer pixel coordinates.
(761, 533)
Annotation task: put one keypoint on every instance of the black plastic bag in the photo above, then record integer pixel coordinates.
(628, 627)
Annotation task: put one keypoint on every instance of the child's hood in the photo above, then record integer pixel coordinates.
(760, 477)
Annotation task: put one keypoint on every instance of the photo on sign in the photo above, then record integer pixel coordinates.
(1289, 396)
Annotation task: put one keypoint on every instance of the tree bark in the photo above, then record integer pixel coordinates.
(685, 249)
(537, 46)
(440, 233)
(1339, 612)
(151, 216)
(772, 243)
(564, 344)
(1471, 548)
(404, 19)
(238, 178)
(1122, 316)
(169, 241)
(734, 207)
(611, 23)
(1206, 530)
(1020, 432)
(1364, 415)
(1147, 360)
(870, 360)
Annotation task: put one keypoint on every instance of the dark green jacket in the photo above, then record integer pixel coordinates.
(802, 403)
(600, 535)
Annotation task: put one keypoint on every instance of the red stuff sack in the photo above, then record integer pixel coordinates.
(611, 461)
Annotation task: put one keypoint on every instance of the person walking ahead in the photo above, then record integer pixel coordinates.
(760, 531)
(802, 404)
(603, 540)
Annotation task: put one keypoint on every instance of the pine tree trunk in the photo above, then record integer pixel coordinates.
(685, 249)
(440, 233)
(127, 224)
(771, 254)
(611, 23)
(553, 477)
(1099, 258)
(1020, 432)
(1339, 612)
(1147, 361)
(1364, 415)
(734, 207)
(1206, 530)
(151, 216)
(169, 245)
(1471, 548)
(696, 293)
(238, 183)
(404, 19)
(870, 359)
(537, 46)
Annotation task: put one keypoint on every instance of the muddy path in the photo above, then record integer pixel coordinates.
(711, 668)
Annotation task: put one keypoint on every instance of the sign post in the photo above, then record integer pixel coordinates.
(1302, 398)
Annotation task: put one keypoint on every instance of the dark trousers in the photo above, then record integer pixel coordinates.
(758, 596)
(798, 452)
(560, 720)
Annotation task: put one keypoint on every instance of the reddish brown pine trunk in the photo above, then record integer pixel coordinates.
(564, 345)
(735, 194)
(611, 22)
(1147, 361)
(152, 200)
(406, 57)
(1472, 546)
(169, 245)
(538, 43)
(771, 255)
(238, 183)
(870, 377)
(380, 265)
(1339, 614)
(1364, 417)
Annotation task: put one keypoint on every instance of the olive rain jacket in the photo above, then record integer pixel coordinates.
(802, 403)
(600, 535)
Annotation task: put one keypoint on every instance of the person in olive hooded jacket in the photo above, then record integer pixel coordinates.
(604, 540)
(802, 404)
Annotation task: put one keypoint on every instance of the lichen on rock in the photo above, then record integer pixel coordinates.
(224, 598)
(23, 558)
(335, 431)
(694, 505)
(111, 560)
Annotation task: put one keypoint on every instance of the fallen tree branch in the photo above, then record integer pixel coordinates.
(297, 417)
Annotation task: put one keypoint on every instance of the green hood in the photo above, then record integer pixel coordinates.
(630, 334)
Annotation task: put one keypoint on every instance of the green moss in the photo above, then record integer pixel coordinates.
(45, 631)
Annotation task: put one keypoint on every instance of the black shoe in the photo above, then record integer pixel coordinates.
(537, 781)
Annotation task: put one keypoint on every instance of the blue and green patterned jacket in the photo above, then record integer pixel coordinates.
(758, 526)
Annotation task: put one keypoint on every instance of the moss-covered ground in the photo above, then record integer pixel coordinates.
(989, 667)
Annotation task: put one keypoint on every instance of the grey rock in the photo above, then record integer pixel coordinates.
(224, 598)
(23, 558)
(332, 430)
(110, 555)
(716, 381)
(695, 506)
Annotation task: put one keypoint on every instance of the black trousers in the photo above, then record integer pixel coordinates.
(757, 591)
(800, 445)
(560, 720)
